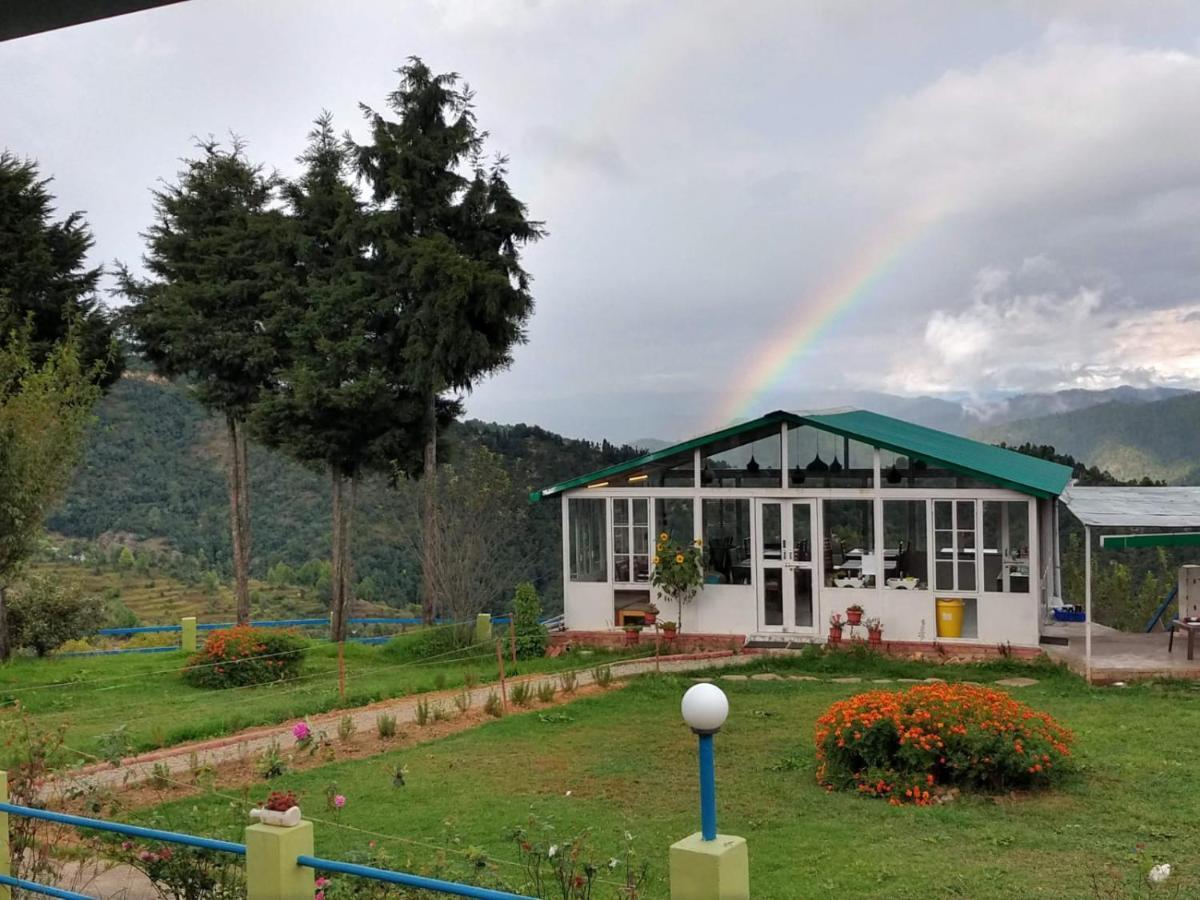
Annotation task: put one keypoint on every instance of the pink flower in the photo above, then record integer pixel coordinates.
(126, 845)
(339, 801)
(301, 731)
(321, 882)
(319, 895)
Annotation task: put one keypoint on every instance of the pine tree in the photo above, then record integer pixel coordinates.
(218, 260)
(445, 233)
(44, 279)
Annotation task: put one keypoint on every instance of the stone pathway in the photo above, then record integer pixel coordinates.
(854, 679)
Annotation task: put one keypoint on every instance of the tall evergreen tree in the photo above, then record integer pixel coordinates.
(333, 405)
(445, 235)
(44, 279)
(218, 261)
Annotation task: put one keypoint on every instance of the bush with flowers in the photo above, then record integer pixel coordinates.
(678, 571)
(185, 873)
(232, 657)
(915, 746)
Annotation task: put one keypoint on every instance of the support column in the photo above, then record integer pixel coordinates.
(5, 859)
(483, 628)
(187, 634)
(1087, 601)
(271, 870)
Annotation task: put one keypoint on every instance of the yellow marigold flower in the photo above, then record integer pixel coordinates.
(661, 547)
(656, 560)
(664, 537)
(678, 557)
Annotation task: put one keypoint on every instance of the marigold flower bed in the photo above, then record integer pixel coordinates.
(232, 657)
(913, 746)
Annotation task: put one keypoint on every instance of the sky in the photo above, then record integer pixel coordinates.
(749, 204)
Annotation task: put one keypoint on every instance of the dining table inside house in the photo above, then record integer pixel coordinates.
(858, 560)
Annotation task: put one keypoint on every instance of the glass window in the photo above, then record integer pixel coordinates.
(726, 530)
(745, 460)
(954, 545)
(905, 544)
(587, 548)
(673, 517)
(850, 557)
(897, 470)
(1006, 546)
(678, 470)
(821, 459)
(631, 539)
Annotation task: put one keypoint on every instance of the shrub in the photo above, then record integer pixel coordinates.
(569, 681)
(271, 763)
(546, 691)
(346, 728)
(602, 676)
(386, 726)
(45, 612)
(438, 641)
(909, 745)
(463, 701)
(521, 693)
(530, 634)
(246, 655)
(423, 713)
(492, 705)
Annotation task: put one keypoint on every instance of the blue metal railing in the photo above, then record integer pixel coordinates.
(190, 840)
(417, 881)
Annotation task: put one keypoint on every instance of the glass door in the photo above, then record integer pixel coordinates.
(785, 582)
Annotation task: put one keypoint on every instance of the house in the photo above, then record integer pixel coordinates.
(800, 516)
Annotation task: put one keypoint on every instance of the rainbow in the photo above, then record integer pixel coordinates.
(816, 314)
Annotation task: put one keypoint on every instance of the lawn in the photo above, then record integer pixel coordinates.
(623, 761)
(140, 702)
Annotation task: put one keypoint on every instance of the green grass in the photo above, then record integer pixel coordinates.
(628, 763)
(93, 696)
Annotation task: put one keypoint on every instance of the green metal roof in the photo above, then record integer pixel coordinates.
(1005, 468)
(1170, 539)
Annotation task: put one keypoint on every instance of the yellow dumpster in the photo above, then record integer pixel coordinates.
(950, 617)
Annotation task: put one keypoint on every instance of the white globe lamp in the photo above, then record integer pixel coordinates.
(705, 708)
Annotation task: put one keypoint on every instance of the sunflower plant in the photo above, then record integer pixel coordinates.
(678, 572)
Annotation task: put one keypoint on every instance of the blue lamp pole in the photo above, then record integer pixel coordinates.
(705, 708)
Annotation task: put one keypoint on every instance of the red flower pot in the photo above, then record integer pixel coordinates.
(874, 636)
(670, 633)
(633, 637)
(854, 616)
(835, 636)
(651, 618)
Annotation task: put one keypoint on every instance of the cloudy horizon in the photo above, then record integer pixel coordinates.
(748, 205)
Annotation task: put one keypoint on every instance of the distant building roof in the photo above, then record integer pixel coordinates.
(1135, 507)
(1005, 468)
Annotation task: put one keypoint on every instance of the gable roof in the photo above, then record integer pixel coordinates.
(1005, 468)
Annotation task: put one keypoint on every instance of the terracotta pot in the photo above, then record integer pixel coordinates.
(854, 616)
(835, 635)
(670, 633)
(875, 636)
(633, 637)
(651, 618)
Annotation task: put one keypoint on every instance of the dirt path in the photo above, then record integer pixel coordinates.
(180, 762)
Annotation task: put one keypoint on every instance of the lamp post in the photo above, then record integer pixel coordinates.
(708, 865)
(705, 708)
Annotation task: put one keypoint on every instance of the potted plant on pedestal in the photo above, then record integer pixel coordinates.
(677, 573)
(651, 615)
(835, 629)
(280, 810)
(633, 633)
(874, 632)
(669, 629)
(854, 614)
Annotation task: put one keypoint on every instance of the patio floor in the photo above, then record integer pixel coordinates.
(1121, 655)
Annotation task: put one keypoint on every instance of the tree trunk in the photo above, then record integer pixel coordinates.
(239, 516)
(430, 602)
(5, 644)
(341, 565)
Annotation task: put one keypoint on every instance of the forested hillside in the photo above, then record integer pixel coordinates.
(1132, 440)
(153, 468)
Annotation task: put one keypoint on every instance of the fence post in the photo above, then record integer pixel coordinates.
(5, 859)
(483, 628)
(187, 634)
(271, 870)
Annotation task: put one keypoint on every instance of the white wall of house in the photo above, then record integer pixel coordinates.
(908, 615)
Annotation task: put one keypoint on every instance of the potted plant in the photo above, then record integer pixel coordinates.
(633, 633)
(835, 629)
(279, 810)
(678, 572)
(651, 615)
(854, 614)
(874, 632)
(669, 629)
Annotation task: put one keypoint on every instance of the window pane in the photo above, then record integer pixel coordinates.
(804, 597)
(678, 470)
(802, 532)
(620, 568)
(641, 513)
(726, 530)
(641, 539)
(1006, 546)
(944, 574)
(821, 459)
(641, 568)
(620, 512)
(745, 460)
(773, 596)
(674, 518)
(850, 557)
(772, 529)
(901, 471)
(620, 539)
(588, 547)
(906, 544)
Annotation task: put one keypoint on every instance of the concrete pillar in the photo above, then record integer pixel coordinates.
(710, 870)
(271, 870)
(483, 628)
(188, 634)
(5, 859)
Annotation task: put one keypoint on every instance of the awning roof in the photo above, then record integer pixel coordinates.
(1135, 507)
(1004, 468)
